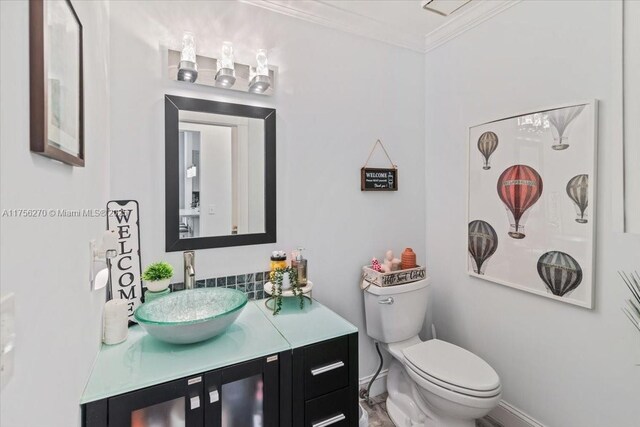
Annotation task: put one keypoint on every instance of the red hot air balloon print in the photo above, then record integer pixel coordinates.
(560, 272)
(487, 144)
(483, 242)
(519, 188)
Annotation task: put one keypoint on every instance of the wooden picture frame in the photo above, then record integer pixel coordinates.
(59, 136)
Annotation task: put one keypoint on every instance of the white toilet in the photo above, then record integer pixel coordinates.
(430, 383)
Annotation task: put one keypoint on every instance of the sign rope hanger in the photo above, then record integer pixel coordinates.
(379, 179)
(379, 142)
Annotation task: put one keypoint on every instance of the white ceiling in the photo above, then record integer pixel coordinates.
(400, 22)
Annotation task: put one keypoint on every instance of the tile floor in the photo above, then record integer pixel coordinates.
(378, 416)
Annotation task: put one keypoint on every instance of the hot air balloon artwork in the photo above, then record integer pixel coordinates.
(578, 192)
(560, 272)
(511, 168)
(519, 188)
(487, 144)
(483, 242)
(561, 119)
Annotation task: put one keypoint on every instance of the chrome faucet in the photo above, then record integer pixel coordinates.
(189, 269)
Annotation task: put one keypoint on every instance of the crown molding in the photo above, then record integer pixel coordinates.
(328, 15)
(334, 17)
(465, 20)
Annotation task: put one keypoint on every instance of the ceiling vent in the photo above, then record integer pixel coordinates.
(443, 7)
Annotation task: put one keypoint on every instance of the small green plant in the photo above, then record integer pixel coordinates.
(157, 271)
(278, 276)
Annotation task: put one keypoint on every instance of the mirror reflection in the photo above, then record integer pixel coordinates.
(221, 175)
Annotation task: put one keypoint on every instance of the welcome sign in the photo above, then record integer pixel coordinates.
(123, 218)
(377, 179)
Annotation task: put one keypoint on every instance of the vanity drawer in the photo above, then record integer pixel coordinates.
(329, 410)
(326, 367)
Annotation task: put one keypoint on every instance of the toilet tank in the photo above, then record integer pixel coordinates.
(396, 313)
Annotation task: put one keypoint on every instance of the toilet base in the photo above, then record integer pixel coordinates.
(407, 408)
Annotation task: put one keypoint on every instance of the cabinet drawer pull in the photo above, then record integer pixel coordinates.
(195, 402)
(327, 368)
(329, 421)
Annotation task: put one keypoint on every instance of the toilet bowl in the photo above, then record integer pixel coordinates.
(431, 383)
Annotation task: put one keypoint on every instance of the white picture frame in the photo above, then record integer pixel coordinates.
(537, 190)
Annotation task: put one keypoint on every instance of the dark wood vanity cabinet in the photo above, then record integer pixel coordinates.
(245, 394)
(311, 386)
(325, 383)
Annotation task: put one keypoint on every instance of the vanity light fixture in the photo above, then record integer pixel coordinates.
(260, 80)
(226, 75)
(188, 68)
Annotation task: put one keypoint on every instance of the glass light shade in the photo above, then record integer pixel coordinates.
(188, 68)
(262, 69)
(260, 80)
(226, 56)
(188, 47)
(226, 75)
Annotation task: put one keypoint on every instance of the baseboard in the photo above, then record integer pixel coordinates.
(379, 385)
(510, 416)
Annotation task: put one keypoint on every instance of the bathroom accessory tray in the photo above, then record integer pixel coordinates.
(268, 288)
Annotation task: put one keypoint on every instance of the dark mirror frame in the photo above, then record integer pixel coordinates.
(172, 107)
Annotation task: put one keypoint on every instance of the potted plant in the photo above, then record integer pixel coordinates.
(281, 283)
(157, 276)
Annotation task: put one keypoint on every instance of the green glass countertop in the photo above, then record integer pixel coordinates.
(312, 324)
(142, 361)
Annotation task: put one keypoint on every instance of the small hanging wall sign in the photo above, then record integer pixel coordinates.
(123, 218)
(379, 179)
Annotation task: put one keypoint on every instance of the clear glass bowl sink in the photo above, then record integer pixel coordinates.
(192, 315)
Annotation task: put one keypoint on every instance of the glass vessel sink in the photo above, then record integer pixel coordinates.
(192, 315)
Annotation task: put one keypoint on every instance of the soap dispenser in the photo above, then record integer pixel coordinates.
(300, 265)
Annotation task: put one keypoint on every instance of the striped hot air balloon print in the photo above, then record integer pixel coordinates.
(560, 272)
(519, 187)
(561, 119)
(487, 144)
(578, 191)
(483, 242)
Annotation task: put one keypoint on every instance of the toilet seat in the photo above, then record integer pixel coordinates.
(447, 366)
(453, 396)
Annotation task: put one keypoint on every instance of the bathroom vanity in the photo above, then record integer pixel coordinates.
(299, 368)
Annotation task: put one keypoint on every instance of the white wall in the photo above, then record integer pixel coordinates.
(335, 94)
(631, 113)
(565, 366)
(45, 261)
(215, 175)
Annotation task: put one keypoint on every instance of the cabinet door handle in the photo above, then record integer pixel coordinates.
(327, 368)
(195, 402)
(329, 421)
(214, 396)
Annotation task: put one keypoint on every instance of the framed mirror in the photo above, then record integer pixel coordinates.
(220, 166)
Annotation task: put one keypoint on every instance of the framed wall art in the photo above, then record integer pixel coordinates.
(56, 87)
(531, 201)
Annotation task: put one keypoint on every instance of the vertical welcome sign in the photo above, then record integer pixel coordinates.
(123, 218)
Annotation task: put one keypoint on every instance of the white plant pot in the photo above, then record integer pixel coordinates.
(158, 285)
(286, 282)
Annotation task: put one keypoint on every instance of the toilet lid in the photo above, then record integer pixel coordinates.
(453, 365)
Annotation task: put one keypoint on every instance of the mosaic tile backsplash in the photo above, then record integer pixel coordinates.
(252, 284)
